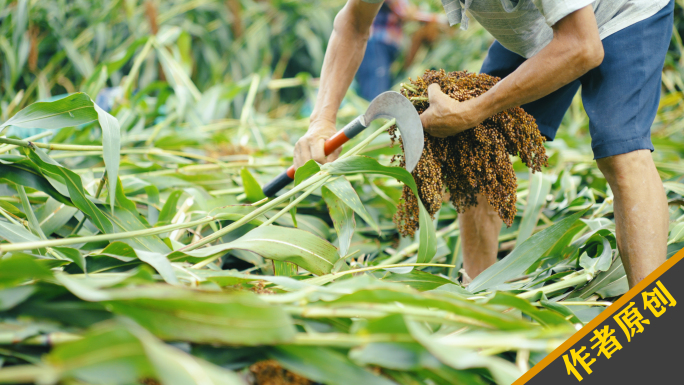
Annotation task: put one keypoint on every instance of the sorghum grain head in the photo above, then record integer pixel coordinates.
(475, 161)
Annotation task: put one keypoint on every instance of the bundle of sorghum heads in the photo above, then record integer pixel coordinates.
(475, 161)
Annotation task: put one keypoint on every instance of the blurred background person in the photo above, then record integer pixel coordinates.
(384, 45)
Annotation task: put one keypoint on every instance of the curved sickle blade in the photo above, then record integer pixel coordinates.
(392, 104)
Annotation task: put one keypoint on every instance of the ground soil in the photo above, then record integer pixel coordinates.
(270, 372)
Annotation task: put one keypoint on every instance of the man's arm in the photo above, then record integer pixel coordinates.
(575, 49)
(343, 57)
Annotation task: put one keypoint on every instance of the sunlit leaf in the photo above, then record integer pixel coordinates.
(342, 217)
(72, 110)
(523, 255)
(364, 165)
(111, 143)
(252, 188)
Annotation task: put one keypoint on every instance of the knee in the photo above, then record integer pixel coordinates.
(618, 169)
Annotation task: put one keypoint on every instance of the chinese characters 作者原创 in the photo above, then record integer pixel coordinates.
(630, 319)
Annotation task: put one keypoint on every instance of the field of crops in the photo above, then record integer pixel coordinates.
(137, 247)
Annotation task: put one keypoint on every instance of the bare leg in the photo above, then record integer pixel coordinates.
(641, 215)
(480, 226)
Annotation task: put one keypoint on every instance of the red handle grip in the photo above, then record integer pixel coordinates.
(331, 145)
(291, 172)
(335, 142)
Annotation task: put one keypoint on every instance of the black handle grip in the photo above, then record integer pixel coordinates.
(277, 184)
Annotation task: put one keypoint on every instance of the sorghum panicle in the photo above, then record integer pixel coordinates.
(475, 161)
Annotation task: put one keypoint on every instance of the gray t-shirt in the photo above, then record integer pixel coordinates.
(524, 26)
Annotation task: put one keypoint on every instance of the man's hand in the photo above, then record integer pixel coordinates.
(447, 116)
(310, 146)
(575, 49)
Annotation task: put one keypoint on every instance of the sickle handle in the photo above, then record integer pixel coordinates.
(341, 137)
(335, 142)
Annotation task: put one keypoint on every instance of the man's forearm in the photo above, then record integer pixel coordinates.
(575, 49)
(343, 57)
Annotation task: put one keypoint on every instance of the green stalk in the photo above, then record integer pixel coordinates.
(24, 374)
(294, 202)
(97, 195)
(144, 151)
(249, 101)
(343, 340)
(580, 303)
(580, 277)
(160, 126)
(50, 146)
(8, 216)
(9, 147)
(502, 342)
(418, 98)
(412, 248)
(108, 237)
(184, 170)
(409, 87)
(456, 257)
(371, 268)
(217, 235)
(33, 221)
(522, 360)
(228, 191)
(49, 339)
(378, 310)
(133, 73)
(310, 181)
(180, 9)
(247, 108)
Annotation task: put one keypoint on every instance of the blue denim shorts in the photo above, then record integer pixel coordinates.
(373, 76)
(620, 96)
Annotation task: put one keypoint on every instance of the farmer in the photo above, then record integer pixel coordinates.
(545, 49)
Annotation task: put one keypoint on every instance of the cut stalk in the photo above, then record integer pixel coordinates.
(33, 221)
(9, 216)
(49, 339)
(580, 303)
(572, 280)
(228, 191)
(160, 126)
(314, 179)
(50, 146)
(378, 310)
(412, 248)
(195, 168)
(107, 237)
(294, 202)
(307, 183)
(371, 268)
(97, 196)
(133, 73)
(346, 340)
(522, 360)
(9, 147)
(409, 87)
(249, 101)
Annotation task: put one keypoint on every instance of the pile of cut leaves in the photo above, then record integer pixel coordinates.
(162, 277)
(136, 246)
